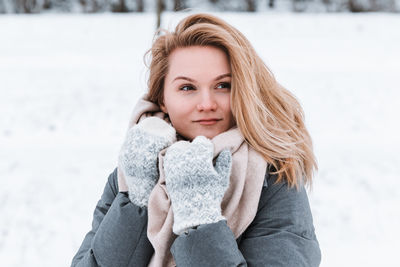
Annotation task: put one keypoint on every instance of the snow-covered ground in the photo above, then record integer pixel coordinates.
(68, 84)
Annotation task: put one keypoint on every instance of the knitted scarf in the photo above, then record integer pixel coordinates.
(239, 204)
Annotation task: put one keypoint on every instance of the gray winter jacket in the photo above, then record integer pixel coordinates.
(282, 234)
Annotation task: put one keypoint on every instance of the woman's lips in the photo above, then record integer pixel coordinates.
(208, 122)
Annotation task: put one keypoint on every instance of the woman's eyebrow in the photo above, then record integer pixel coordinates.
(191, 80)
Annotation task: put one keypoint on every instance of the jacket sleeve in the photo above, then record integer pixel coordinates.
(119, 232)
(281, 234)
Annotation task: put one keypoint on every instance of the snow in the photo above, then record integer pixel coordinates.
(69, 82)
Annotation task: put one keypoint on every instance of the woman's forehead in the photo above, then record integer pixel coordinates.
(198, 61)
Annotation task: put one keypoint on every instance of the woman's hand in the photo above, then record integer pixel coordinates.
(139, 154)
(195, 186)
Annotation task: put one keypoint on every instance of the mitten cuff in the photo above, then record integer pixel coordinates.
(139, 190)
(158, 127)
(181, 224)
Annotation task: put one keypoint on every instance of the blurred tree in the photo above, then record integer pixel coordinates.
(37, 6)
(46, 4)
(251, 6)
(84, 5)
(179, 5)
(25, 6)
(2, 7)
(371, 5)
(95, 6)
(271, 3)
(299, 5)
(235, 5)
(119, 7)
(356, 6)
(139, 6)
(160, 9)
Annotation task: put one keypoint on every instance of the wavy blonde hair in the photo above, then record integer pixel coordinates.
(269, 116)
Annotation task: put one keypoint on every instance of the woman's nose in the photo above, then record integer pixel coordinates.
(207, 102)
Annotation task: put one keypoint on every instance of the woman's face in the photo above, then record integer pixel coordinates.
(197, 91)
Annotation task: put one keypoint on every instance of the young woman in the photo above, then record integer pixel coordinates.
(214, 164)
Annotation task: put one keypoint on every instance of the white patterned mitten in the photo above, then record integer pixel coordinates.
(139, 154)
(195, 186)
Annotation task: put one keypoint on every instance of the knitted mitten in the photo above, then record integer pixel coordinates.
(139, 154)
(195, 186)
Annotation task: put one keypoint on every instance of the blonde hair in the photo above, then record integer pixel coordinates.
(269, 116)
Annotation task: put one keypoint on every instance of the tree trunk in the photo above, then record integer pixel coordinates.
(160, 8)
(46, 4)
(120, 7)
(251, 6)
(139, 6)
(179, 5)
(29, 6)
(271, 3)
(354, 6)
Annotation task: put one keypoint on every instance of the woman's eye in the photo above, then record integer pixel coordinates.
(186, 88)
(224, 85)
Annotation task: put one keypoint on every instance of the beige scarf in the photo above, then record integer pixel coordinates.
(240, 202)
